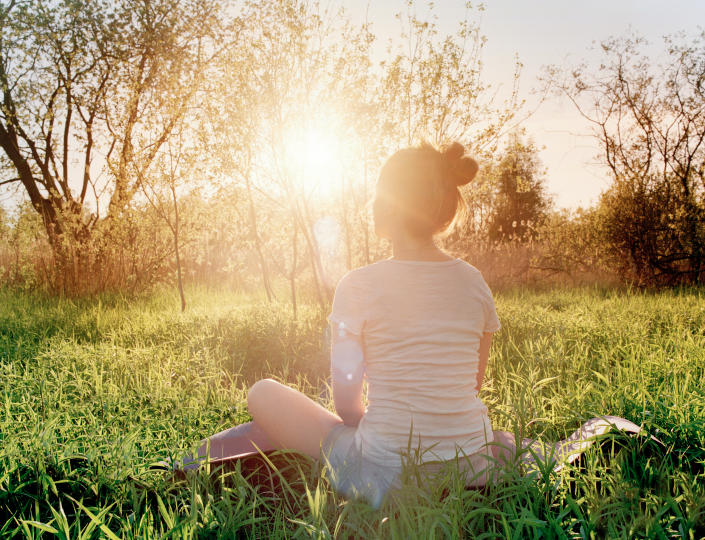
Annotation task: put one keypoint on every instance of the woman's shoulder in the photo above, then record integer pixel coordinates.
(366, 279)
(474, 277)
(469, 269)
(356, 277)
(367, 269)
(383, 270)
(467, 266)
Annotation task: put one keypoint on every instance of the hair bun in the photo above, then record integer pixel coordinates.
(461, 168)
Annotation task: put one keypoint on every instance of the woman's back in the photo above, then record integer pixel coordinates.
(417, 322)
(421, 324)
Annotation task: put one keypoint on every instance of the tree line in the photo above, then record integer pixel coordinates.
(239, 142)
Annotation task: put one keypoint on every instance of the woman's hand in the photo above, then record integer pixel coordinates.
(347, 370)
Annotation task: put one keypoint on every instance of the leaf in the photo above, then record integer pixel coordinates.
(97, 519)
(41, 526)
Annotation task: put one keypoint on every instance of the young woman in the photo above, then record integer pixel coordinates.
(418, 326)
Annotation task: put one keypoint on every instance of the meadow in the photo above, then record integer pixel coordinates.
(95, 391)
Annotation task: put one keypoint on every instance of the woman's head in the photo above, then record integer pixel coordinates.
(417, 192)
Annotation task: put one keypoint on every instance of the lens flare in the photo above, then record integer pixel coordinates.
(327, 233)
(347, 359)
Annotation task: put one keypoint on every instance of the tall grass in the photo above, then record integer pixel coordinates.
(94, 391)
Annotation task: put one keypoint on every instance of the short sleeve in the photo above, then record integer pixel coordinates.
(349, 302)
(491, 320)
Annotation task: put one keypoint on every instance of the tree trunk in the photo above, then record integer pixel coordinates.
(176, 249)
(258, 245)
(346, 225)
(316, 266)
(292, 275)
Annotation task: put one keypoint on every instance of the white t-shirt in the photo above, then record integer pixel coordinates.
(421, 324)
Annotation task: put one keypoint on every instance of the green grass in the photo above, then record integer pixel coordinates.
(94, 391)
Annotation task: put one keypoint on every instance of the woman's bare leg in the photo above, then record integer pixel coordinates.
(290, 419)
(504, 448)
(282, 418)
(238, 440)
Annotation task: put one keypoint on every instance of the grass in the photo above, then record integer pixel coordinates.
(94, 391)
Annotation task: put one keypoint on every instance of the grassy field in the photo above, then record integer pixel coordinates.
(93, 392)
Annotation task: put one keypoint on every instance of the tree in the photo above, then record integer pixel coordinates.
(433, 89)
(650, 122)
(293, 81)
(122, 85)
(174, 165)
(520, 201)
(90, 93)
(4, 223)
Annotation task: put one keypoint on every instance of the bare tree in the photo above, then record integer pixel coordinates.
(231, 134)
(433, 89)
(174, 166)
(650, 121)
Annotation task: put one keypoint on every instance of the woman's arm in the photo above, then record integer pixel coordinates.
(347, 370)
(484, 354)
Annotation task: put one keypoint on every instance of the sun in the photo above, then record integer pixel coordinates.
(314, 158)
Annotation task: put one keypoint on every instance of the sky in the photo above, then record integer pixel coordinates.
(542, 33)
(551, 32)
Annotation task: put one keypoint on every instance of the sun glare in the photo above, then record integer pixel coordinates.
(314, 158)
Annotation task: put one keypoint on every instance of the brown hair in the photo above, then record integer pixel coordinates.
(420, 185)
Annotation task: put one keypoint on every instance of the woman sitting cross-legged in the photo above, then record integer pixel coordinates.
(418, 326)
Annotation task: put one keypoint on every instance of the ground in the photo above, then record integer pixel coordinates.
(94, 391)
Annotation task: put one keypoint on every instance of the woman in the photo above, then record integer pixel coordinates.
(418, 326)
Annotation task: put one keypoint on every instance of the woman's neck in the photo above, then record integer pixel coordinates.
(410, 248)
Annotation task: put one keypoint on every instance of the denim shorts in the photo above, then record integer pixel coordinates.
(356, 477)
(350, 473)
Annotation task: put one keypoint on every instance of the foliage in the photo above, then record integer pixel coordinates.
(262, 128)
(433, 88)
(91, 92)
(575, 245)
(133, 257)
(649, 119)
(23, 238)
(94, 391)
(255, 97)
(4, 223)
(521, 202)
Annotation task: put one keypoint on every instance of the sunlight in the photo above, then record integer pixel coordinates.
(327, 233)
(314, 158)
